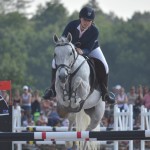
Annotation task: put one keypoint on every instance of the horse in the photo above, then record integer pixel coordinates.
(75, 99)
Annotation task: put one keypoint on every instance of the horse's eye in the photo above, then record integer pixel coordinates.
(70, 53)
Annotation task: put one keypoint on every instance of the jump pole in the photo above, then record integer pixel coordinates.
(40, 142)
(42, 128)
(66, 136)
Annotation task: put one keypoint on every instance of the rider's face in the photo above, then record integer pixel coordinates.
(85, 23)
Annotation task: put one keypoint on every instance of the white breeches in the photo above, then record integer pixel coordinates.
(97, 53)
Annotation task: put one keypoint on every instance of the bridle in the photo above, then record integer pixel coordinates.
(64, 65)
(70, 75)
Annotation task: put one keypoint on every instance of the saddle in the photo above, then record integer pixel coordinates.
(93, 77)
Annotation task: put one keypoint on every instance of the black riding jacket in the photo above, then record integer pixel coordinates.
(89, 39)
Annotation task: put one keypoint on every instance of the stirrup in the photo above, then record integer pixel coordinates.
(49, 93)
(109, 98)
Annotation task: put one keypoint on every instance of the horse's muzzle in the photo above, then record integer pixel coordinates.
(63, 74)
(62, 78)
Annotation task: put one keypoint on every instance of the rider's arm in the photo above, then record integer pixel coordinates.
(70, 27)
(66, 30)
(92, 42)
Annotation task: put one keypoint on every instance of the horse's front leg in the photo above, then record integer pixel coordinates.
(96, 113)
(80, 92)
(60, 90)
(72, 119)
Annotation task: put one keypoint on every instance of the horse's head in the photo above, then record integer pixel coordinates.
(64, 55)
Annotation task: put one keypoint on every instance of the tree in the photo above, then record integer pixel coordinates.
(94, 4)
(53, 13)
(9, 6)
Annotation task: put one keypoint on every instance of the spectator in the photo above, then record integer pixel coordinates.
(23, 117)
(17, 98)
(145, 90)
(104, 121)
(140, 93)
(132, 96)
(30, 90)
(146, 100)
(26, 100)
(65, 122)
(122, 99)
(35, 106)
(116, 89)
(5, 96)
(29, 121)
(46, 106)
(42, 120)
(137, 108)
(53, 118)
(111, 121)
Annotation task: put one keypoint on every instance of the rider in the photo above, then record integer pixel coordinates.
(85, 32)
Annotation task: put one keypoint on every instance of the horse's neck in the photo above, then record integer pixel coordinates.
(78, 62)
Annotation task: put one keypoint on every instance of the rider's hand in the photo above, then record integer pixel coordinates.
(79, 51)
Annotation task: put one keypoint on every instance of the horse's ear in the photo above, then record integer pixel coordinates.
(55, 38)
(69, 37)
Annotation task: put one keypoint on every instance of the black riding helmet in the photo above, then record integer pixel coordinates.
(87, 13)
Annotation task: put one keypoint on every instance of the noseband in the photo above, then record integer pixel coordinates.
(63, 65)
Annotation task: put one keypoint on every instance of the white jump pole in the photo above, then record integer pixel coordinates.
(40, 142)
(41, 128)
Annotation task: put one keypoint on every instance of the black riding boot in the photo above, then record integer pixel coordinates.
(102, 78)
(50, 92)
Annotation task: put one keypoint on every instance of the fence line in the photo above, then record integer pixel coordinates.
(122, 121)
(83, 135)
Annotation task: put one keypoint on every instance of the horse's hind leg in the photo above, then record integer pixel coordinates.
(95, 113)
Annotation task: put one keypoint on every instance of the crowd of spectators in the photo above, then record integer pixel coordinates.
(136, 96)
(44, 112)
(36, 111)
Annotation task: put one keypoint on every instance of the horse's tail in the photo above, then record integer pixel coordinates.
(82, 122)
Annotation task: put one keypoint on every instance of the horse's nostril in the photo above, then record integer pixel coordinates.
(62, 78)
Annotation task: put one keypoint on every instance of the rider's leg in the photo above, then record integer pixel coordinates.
(50, 92)
(102, 71)
(102, 78)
